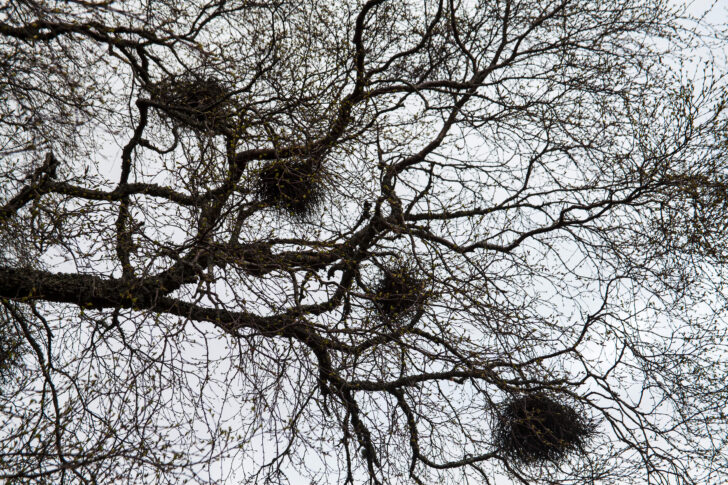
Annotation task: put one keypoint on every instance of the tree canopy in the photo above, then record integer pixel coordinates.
(386, 242)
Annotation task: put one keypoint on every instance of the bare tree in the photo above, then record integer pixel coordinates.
(428, 241)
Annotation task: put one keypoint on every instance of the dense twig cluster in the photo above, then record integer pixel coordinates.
(399, 293)
(537, 428)
(294, 186)
(200, 102)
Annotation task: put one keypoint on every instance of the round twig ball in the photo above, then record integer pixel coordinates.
(294, 186)
(399, 293)
(536, 428)
(196, 101)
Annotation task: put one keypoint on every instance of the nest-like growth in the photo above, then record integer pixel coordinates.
(536, 428)
(196, 101)
(399, 293)
(294, 186)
